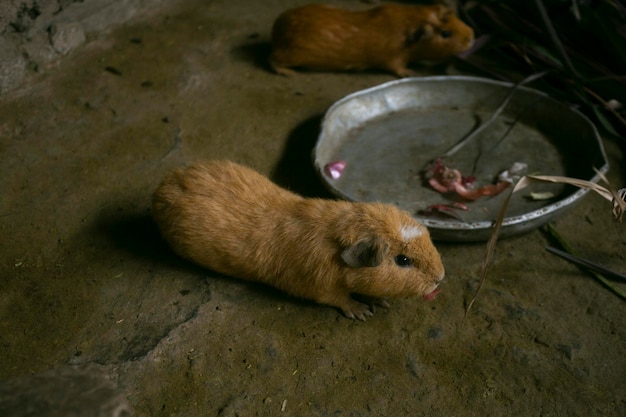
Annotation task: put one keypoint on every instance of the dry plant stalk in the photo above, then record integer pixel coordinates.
(495, 114)
(596, 270)
(618, 198)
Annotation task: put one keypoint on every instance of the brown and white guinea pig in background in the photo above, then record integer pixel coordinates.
(388, 37)
(231, 219)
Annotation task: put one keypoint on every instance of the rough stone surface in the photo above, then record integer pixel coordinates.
(69, 391)
(12, 66)
(66, 36)
(19, 15)
(85, 278)
(34, 34)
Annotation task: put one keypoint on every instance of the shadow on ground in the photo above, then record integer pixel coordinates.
(294, 169)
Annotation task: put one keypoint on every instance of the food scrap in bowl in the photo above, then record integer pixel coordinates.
(334, 169)
(448, 180)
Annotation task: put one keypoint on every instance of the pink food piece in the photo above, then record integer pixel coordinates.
(447, 209)
(440, 186)
(484, 191)
(461, 206)
(468, 180)
(449, 180)
(334, 169)
(432, 295)
(442, 178)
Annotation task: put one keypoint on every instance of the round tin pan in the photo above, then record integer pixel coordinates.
(387, 135)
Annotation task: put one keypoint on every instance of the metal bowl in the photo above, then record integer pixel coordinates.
(388, 134)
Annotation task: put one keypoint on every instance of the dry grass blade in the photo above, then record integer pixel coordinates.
(619, 206)
(495, 114)
(556, 41)
(568, 248)
(606, 105)
(585, 262)
(607, 192)
(491, 247)
(618, 197)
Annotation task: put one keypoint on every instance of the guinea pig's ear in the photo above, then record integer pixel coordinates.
(367, 252)
(422, 32)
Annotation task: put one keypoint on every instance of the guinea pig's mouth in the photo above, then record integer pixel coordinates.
(432, 295)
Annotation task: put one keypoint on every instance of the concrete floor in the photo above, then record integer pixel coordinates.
(86, 279)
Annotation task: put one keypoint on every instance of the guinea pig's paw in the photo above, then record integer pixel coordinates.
(402, 71)
(355, 310)
(373, 302)
(284, 71)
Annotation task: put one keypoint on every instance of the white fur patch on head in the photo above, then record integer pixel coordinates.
(410, 232)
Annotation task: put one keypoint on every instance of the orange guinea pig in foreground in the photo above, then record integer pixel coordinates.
(233, 220)
(389, 37)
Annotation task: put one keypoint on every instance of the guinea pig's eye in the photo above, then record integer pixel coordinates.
(403, 261)
(445, 33)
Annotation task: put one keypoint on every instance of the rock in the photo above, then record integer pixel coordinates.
(12, 65)
(18, 16)
(412, 365)
(38, 51)
(434, 333)
(65, 37)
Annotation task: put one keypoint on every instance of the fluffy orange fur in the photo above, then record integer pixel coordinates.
(233, 220)
(388, 37)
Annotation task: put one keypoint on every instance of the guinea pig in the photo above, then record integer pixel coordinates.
(233, 220)
(388, 37)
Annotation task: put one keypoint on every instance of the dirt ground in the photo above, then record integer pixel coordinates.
(86, 279)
